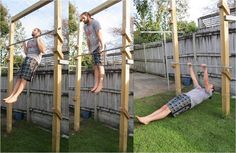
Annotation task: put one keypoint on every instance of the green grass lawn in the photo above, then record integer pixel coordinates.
(95, 137)
(28, 137)
(202, 129)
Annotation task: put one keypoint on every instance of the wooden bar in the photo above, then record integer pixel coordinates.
(175, 47)
(125, 79)
(56, 127)
(10, 76)
(30, 9)
(103, 6)
(224, 44)
(210, 66)
(28, 102)
(78, 79)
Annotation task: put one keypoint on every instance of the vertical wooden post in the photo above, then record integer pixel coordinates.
(78, 79)
(125, 77)
(57, 77)
(166, 64)
(224, 37)
(175, 47)
(145, 58)
(10, 76)
(28, 102)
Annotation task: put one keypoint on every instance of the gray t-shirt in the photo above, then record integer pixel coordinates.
(91, 34)
(33, 50)
(198, 95)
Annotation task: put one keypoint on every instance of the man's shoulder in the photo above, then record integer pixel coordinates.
(95, 22)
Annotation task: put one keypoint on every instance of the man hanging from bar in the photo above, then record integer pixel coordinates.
(93, 33)
(34, 49)
(184, 101)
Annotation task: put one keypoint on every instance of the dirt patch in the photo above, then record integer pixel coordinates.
(148, 85)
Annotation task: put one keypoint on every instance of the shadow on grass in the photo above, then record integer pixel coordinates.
(202, 129)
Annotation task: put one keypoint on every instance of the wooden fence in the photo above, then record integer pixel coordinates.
(38, 98)
(201, 47)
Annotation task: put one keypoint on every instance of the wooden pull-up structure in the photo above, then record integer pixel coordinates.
(58, 55)
(224, 46)
(224, 43)
(126, 55)
(175, 43)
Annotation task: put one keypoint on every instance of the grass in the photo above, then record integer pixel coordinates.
(95, 137)
(28, 137)
(202, 129)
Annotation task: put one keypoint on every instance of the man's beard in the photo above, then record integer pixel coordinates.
(86, 22)
(33, 35)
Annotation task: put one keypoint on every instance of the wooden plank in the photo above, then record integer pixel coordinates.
(175, 47)
(125, 79)
(78, 79)
(103, 6)
(30, 9)
(56, 127)
(230, 18)
(225, 81)
(28, 104)
(10, 77)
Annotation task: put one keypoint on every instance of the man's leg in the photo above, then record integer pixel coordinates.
(14, 90)
(96, 77)
(100, 79)
(157, 115)
(18, 92)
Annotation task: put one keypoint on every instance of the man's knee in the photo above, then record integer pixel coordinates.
(164, 107)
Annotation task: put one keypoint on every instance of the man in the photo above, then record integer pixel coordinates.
(93, 33)
(184, 101)
(33, 50)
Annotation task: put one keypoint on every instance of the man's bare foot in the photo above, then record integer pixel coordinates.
(7, 98)
(11, 100)
(94, 88)
(142, 120)
(99, 88)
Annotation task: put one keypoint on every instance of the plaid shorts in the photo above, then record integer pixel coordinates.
(28, 69)
(97, 57)
(179, 104)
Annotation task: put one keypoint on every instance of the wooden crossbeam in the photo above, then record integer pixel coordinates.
(223, 4)
(30, 9)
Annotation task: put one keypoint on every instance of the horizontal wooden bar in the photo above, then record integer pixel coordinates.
(103, 6)
(18, 42)
(210, 66)
(30, 9)
(230, 18)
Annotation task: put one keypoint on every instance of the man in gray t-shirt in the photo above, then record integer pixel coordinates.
(92, 29)
(185, 101)
(33, 50)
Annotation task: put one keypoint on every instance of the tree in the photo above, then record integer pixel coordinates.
(153, 15)
(3, 21)
(73, 35)
(4, 39)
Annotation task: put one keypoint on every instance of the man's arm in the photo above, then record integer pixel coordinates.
(25, 48)
(41, 45)
(205, 77)
(192, 74)
(99, 34)
(88, 44)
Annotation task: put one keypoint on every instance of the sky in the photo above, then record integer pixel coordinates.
(111, 17)
(196, 8)
(42, 18)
